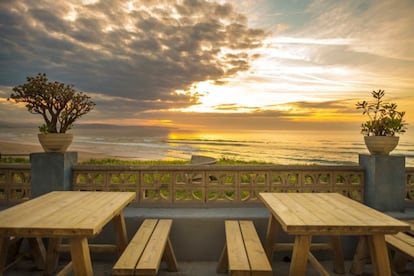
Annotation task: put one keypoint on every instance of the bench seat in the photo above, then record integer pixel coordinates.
(403, 245)
(145, 250)
(243, 253)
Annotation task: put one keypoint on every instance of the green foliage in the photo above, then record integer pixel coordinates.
(60, 105)
(383, 118)
(221, 161)
(228, 161)
(111, 161)
(14, 160)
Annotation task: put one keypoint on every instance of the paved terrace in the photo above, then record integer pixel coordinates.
(197, 237)
(198, 232)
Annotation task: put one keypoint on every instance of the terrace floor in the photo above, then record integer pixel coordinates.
(103, 268)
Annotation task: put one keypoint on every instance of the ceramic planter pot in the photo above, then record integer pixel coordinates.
(381, 144)
(55, 142)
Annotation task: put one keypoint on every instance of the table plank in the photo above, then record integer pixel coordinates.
(311, 213)
(59, 215)
(76, 215)
(330, 214)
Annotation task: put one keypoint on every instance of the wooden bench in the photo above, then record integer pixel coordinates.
(403, 245)
(243, 253)
(145, 250)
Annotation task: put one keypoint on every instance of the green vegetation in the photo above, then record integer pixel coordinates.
(383, 117)
(121, 162)
(14, 160)
(227, 161)
(59, 105)
(111, 161)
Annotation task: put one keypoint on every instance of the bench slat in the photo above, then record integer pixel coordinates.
(237, 256)
(243, 253)
(402, 242)
(136, 246)
(151, 257)
(257, 256)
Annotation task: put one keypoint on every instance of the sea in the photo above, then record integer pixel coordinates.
(284, 147)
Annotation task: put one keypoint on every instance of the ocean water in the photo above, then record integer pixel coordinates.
(280, 147)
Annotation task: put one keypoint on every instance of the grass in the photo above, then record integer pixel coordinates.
(10, 160)
(221, 161)
(113, 161)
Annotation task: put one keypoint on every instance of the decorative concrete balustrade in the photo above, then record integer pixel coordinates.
(193, 185)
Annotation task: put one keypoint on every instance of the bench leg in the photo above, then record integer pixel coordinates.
(170, 257)
(223, 263)
(4, 248)
(399, 262)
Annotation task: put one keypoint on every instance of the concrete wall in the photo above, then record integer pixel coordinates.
(198, 234)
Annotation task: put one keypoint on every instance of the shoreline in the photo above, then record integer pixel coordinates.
(7, 147)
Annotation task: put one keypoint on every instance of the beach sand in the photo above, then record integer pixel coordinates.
(18, 148)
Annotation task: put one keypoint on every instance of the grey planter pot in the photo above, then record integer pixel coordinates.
(381, 144)
(55, 142)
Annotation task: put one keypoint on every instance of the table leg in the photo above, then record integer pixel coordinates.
(38, 252)
(339, 263)
(120, 232)
(361, 256)
(52, 257)
(4, 246)
(81, 258)
(300, 255)
(271, 234)
(379, 254)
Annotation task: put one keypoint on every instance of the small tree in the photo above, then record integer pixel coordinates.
(60, 105)
(383, 118)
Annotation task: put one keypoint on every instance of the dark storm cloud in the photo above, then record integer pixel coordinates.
(144, 53)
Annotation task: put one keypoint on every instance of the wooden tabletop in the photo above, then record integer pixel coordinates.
(328, 213)
(63, 214)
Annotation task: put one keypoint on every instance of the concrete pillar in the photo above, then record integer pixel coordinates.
(51, 171)
(384, 182)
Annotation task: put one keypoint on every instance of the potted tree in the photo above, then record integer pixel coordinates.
(60, 106)
(383, 124)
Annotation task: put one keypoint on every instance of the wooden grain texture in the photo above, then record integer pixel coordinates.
(402, 242)
(311, 213)
(403, 245)
(150, 260)
(144, 252)
(243, 253)
(132, 253)
(329, 214)
(63, 214)
(75, 215)
(259, 264)
(237, 255)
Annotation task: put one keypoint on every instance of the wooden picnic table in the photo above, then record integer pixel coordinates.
(73, 215)
(328, 214)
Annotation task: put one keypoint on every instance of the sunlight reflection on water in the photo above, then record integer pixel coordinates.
(280, 147)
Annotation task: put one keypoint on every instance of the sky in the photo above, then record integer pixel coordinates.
(197, 65)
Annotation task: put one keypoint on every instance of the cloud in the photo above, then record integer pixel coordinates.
(143, 51)
(380, 28)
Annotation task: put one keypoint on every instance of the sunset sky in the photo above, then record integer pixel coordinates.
(213, 65)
